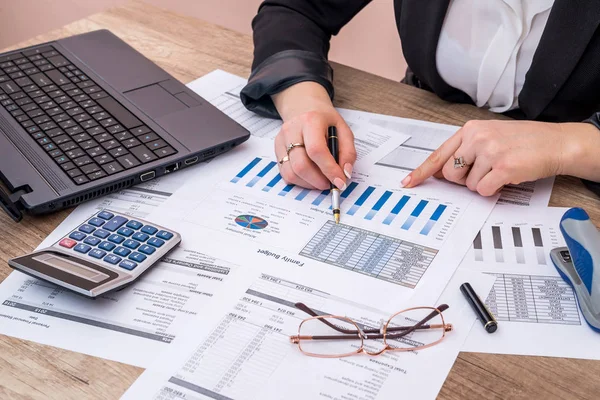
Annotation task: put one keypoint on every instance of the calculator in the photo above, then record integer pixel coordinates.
(107, 251)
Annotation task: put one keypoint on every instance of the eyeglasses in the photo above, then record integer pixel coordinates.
(333, 336)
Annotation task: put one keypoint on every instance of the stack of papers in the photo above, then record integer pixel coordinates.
(213, 319)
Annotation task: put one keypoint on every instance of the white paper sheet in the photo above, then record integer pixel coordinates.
(426, 137)
(391, 242)
(536, 309)
(246, 352)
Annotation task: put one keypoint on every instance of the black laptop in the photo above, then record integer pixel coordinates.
(88, 115)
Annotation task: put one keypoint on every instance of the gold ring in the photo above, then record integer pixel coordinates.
(459, 162)
(291, 146)
(284, 159)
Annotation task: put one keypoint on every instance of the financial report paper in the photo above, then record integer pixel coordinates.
(536, 309)
(391, 242)
(245, 353)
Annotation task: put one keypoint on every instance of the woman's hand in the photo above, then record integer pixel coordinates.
(498, 153)
(307, 112)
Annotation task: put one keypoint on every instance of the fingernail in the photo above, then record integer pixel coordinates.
(348, 170)
(405, 181)
(340, 184)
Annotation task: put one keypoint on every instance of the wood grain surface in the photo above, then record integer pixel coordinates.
(188, 48)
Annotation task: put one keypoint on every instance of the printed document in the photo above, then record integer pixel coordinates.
(536, 309)
(245, 353)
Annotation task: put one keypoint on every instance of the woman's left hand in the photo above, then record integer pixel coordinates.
(497, 153)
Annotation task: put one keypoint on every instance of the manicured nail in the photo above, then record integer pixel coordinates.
(348, 170)
(405, 181)
(340, 184)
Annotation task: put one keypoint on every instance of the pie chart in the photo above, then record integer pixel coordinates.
(251, 222)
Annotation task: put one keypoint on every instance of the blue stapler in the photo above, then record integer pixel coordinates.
(579, 262)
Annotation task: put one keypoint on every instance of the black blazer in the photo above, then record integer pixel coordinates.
(291, 39)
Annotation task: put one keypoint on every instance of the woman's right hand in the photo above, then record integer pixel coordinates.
(307, 112)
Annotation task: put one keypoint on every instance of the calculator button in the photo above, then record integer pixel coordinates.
(147, 249)
(138, 257)
(150, 230)
(69, 243)
(132, 244)
(134, 224)
(116, 239)
(122, 251)
(112, 259)
(156, 242)
(96, 222)
(105, 215)
(115, 223)
(92, 241)
(101, 233)
(77, 236)
(82, 248)
(85, 228)
(107, 246)
(128, 264)
(140, 237)
(125, 232)
(164, 235)
(97, 253)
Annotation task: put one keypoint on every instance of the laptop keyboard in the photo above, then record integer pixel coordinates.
(86, 131)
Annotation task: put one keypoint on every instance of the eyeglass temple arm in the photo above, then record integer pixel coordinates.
(309, 311)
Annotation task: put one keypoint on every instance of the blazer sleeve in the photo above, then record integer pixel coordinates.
(593, 186)
(291, 44)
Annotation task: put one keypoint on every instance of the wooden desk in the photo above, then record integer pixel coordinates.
(189, 48)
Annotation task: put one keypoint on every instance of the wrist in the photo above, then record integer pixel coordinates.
(301, 98)
(579, 153)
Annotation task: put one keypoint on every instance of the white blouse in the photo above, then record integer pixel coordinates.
(486, 47)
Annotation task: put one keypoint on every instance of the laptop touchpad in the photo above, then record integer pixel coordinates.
(155, 101)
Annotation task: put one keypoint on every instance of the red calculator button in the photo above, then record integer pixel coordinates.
(68, 243)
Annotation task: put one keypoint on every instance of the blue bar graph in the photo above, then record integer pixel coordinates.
(286, 190)
(384, 197)
(396, 210)
(248, 167)
(261, 174)
(434, 218)
(320, 198)
(363, 197)
(347, 192)
(302, 194)
(414, 214)
(272, 183)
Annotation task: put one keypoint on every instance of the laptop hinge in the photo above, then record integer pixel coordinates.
(9, 203)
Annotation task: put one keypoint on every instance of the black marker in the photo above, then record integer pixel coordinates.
(485, 316)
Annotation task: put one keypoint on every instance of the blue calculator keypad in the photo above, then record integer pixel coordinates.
(116, 240)
(92, 241)
(150, 230)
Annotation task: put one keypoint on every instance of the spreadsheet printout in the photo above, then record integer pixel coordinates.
(391, 242)
(536, 309)
(246, 352)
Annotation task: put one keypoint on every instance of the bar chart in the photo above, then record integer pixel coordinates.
(406, 212)
(517, 244)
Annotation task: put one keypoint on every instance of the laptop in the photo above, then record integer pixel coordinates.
(88, 115)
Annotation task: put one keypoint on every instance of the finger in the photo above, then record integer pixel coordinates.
(434, 162)
(315, 141)
(347, 154)
(307, 170)
(491, 183)
(285, 169)
(480, 169)
(458, 174)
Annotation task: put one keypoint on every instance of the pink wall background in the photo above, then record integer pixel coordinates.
(369, 42)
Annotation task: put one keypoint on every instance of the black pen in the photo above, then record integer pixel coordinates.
(332, 143)
(485, 316)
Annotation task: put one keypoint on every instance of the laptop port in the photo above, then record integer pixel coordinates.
(191, 161)
(146, 176)
(171, 168)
